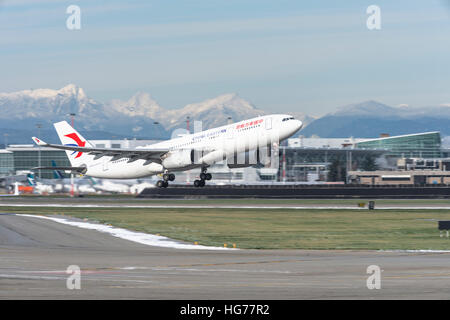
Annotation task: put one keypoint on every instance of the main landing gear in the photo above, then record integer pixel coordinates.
(165, 182)
(203, 176)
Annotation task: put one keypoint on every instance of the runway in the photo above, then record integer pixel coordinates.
(325, 204)
(35, 254)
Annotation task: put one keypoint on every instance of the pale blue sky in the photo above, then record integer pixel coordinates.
(304, 56)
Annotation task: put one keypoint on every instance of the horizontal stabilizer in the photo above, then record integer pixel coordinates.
(39, 142)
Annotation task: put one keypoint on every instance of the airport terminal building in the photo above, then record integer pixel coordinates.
(313, 159)
(420, 145)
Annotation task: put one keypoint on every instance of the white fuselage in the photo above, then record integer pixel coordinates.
(218, 144)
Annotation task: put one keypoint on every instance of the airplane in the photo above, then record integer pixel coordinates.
(119, 185)
(108, 185)
(56, 173)
(40, 186)
(196, 150)
(88, 185)
(58, 177)
(58, 184)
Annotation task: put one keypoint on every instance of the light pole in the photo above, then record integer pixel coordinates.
(6, 139)
(72, 116)
(188, 175)
(156, 134)
(39, 126)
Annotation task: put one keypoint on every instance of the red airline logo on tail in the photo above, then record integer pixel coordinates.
(77, 139)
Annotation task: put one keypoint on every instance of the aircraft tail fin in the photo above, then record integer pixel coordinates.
(69, 136)
(92, 181)
(56, 173)
(31, 180)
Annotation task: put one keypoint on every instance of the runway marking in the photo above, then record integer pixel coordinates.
(231, 270)
(446, 275)
(63, 272)
(17, 276)
(416, 251)
(138, 237)
(232, 263)
(104, 279)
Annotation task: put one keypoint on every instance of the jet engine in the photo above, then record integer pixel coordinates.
(212, 157)
(178, 159)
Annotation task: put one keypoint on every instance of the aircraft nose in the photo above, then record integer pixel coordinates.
(297, 125)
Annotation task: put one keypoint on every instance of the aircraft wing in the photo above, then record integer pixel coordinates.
(133, 154)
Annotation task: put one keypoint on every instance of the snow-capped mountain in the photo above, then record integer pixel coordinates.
(46, 103)
(370, 118)
(136, 116)
(140, 116)
(212, 112)
(367, 108)
(141, 104)
(22, 110)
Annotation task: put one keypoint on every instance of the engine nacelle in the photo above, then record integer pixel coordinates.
(178, 159)
(212, 157)
(154, 168)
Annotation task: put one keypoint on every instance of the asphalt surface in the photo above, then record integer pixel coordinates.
(35, 254)
(218, 204)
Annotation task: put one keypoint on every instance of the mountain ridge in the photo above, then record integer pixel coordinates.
(142, 117)
(368, 119)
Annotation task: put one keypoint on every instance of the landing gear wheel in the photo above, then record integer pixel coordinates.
(199, 183)
(168, 177)
(162, 184)
(203, 176)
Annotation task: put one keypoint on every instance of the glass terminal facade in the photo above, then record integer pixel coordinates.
(15, 159)
(6, 163)
(421, 145)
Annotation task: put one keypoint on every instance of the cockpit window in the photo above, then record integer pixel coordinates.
(286, 119)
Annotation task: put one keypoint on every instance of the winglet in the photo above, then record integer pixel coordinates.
(39, 142)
